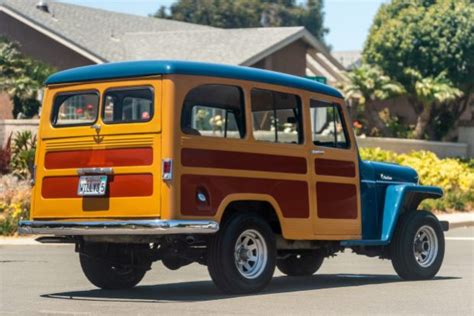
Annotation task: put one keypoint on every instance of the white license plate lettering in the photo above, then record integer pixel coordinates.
(92, 186)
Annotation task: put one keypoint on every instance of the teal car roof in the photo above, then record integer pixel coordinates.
(165, 67)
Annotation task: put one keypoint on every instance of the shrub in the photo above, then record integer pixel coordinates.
(23, 154)
(454, 176)
(15, 198)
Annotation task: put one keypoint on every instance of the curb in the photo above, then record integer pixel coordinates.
(461, 224)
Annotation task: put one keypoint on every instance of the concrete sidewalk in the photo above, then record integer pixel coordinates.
(461, 219)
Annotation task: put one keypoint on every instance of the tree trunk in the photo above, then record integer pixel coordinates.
(375, 121)
(423, 121)
(463, 103)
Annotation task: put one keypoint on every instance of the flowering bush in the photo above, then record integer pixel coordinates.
(14, 203)
(454, 176)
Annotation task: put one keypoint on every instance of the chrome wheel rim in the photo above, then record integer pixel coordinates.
(250, 254)
(425, 246)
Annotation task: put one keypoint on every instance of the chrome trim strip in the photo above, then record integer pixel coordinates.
(84, 171)
(121, 227)
(385, 182)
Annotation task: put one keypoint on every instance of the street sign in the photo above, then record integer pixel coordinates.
(321, 79)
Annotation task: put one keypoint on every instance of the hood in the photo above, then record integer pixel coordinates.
(392, 173)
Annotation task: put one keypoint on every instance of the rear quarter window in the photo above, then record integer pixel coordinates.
(214, 110)
(75, 108)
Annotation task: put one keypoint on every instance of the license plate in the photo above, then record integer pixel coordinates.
(92, 186)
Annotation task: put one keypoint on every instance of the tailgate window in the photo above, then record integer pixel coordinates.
(128, 105)
(75, 108)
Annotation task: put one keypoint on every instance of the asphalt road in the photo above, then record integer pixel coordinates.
(47, 280)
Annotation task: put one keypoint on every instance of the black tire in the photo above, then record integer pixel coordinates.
(303, 264)
(404, 249)
(105, 275)
(223, 259)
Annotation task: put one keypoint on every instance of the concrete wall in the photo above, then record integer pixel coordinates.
(466, 135)
(441, 149)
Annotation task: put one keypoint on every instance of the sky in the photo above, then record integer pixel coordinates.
(348, 20)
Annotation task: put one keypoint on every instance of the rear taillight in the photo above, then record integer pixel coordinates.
(167, 169)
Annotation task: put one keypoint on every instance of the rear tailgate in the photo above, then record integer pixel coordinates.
(125, 148)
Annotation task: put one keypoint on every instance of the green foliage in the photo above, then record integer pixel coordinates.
(368, 84)
(454, 176)
(23, 154)
(249, 13)
(427, 46)
(431, 90)
(21, 77)
(430, 37)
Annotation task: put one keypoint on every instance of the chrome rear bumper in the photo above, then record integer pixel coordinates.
(120, 227)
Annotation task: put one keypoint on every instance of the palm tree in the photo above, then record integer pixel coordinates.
(368, 84)
(431, 93)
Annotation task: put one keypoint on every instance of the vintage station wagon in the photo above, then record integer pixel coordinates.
(236, 168)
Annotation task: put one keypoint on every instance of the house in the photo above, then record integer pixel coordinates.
(350, 59)
(66, 36)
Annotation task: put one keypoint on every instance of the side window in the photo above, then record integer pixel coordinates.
(128, 105)
(327, 125)
(75, 109)
(276, 117)
(215, 111)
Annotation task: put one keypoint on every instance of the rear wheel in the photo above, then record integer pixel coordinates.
(241, 257)
(302, 264)
(113, 272)
(417, 248)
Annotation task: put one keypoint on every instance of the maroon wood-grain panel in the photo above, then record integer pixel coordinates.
(336, 200)
(330, 167)
(99, 158)
(126, 185)
(291, 196)
(243, 161)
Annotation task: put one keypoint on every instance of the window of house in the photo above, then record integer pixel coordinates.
(128, 105)
(276, 117)
(327, 125)
(215, 111)
(75, 108)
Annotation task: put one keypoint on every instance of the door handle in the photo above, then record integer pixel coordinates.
(317, 152)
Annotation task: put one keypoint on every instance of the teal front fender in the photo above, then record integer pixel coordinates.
(399, 198)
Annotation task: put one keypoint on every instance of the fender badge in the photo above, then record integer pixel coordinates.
(385, 177)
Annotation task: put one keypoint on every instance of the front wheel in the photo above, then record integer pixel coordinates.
(241, 257)
(417, 248)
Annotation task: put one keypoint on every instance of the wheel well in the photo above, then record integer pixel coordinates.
(261, 208)
(413, 199)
